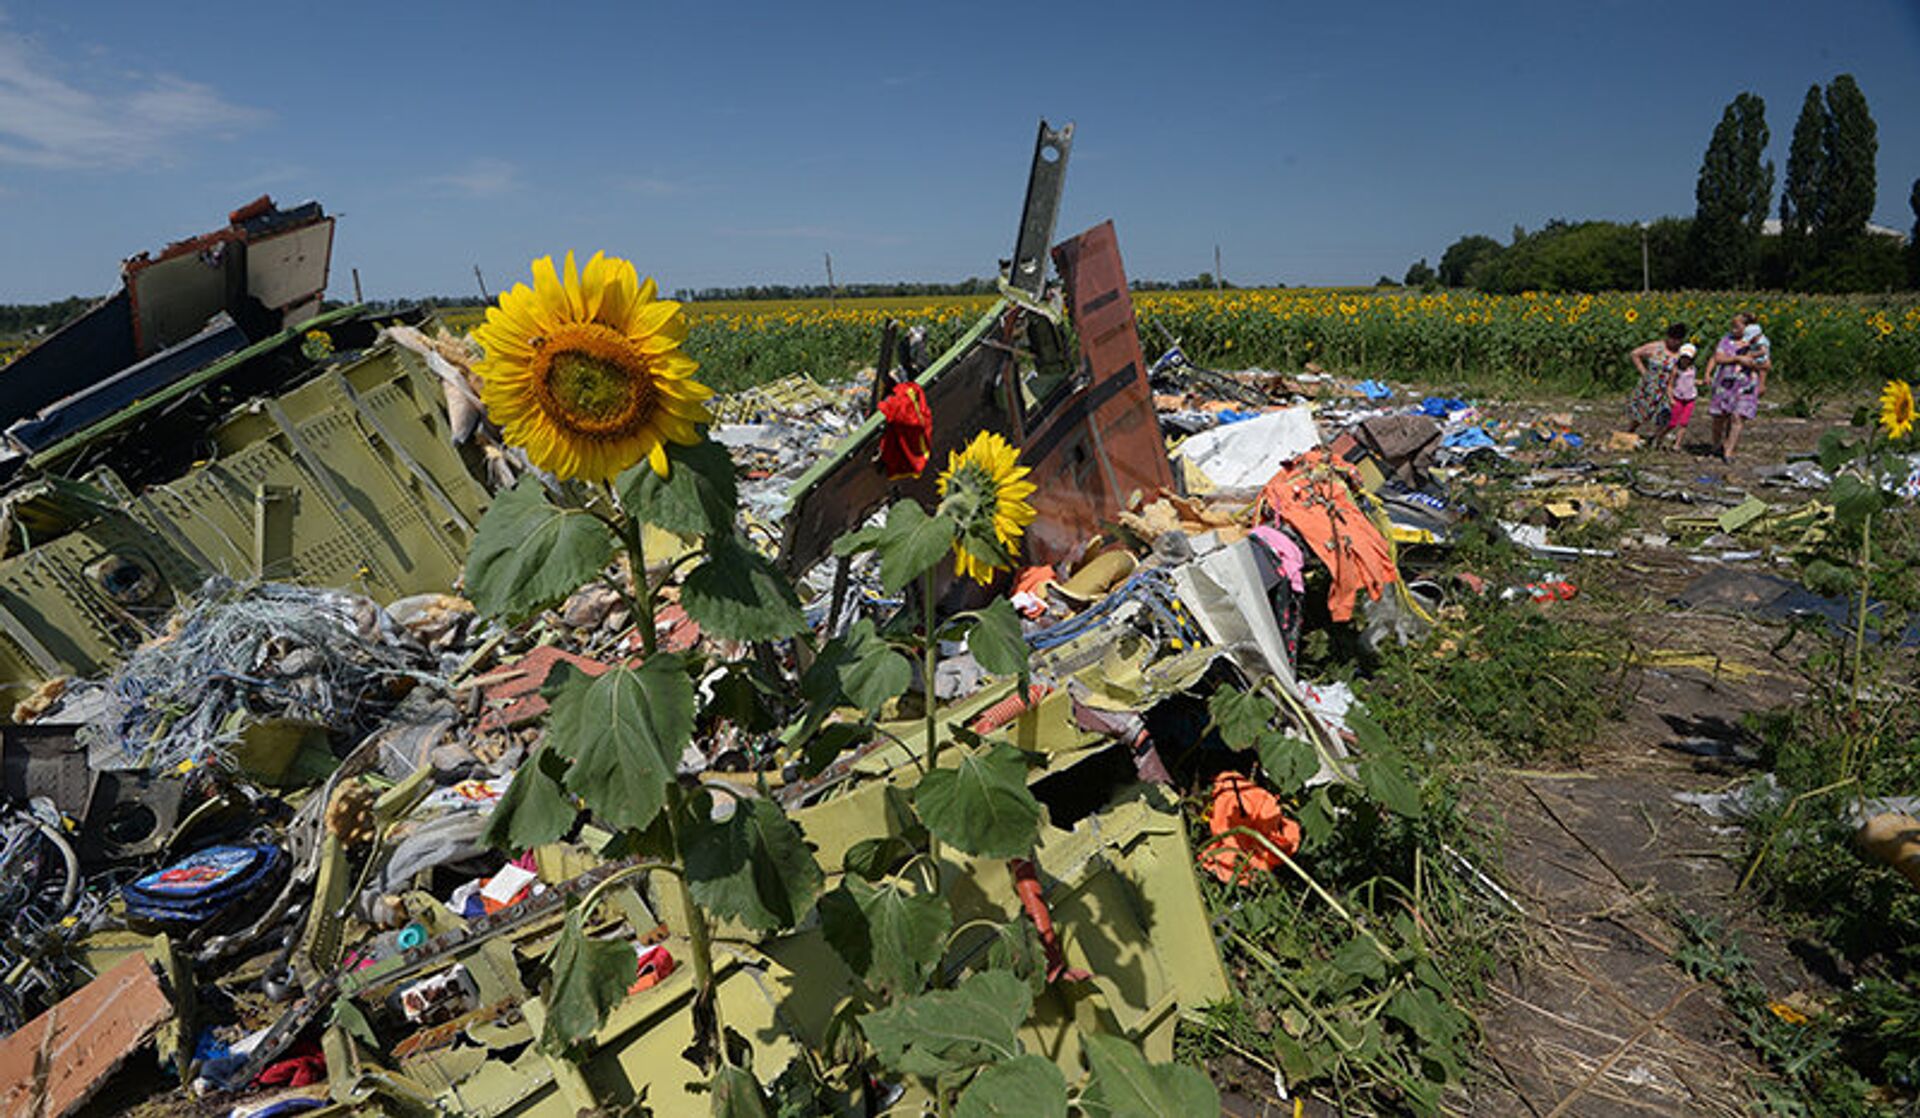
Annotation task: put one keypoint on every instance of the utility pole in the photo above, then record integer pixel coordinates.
(356, 287)
(1645, 272)
(1218, 281)
(831, 294)
(482, 281)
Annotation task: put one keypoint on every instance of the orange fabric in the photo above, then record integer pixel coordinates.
(1314, 497)
(1240, 803)
(1033, 579)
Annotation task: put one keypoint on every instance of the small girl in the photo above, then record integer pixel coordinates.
(1686, 389)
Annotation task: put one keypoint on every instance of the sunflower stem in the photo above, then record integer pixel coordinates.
(929, 660)
(699, 934)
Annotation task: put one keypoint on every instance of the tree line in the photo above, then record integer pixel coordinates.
(1824, 243)
(22, 318)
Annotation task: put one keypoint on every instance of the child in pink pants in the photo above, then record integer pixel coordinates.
(1686, 389)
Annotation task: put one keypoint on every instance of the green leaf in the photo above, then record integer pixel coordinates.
(982, 805)
(1242, 717)
(753, 866)
(906, 836)
(1835, 450)
(1382, 773)
(858, 540)
(888, 935)
(875, 858)
(1316, 817)
(910, 543)
(536, 809)
(740, 695)
(858, 669)
(737, 1094)
(625, 731)
(833, 739)
(1125, 1085)
(1289, 762)
(1016, 948)
(1853, 500)
(697, 496)
(1359, 958)
(590, 977)
(1432, 1020)
(995, 640)
(1388, 784)
(736, 593)
(529, 553)
(1025, 1086)
(947, 1030)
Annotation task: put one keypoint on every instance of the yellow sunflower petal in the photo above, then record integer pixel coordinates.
(593, 285)
(576, 298)
(550, 295)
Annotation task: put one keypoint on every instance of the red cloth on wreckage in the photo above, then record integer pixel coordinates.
(905, 442)
(1313, 495)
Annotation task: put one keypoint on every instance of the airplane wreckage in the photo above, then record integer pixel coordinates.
(233, 518)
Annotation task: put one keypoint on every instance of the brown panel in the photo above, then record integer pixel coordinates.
(1093, 451)
(1089, 451)
(57, 1060)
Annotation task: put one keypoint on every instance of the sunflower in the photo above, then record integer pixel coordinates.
(985, 491)
(1896, 409)
(586, 373)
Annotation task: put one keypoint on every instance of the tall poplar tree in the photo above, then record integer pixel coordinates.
(1913, 242)
(1733, 195)
(1847, 177)
(1800, 196)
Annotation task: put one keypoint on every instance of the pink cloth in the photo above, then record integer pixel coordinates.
(1292, 563)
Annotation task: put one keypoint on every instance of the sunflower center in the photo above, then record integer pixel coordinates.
(591, 380)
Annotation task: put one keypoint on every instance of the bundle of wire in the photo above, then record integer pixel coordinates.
(243, 652)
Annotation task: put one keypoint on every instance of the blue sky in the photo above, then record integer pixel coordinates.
(718, 144)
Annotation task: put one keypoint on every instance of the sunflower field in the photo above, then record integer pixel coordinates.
(1564, 343)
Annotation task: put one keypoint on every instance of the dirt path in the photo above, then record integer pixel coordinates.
(1594, 1019)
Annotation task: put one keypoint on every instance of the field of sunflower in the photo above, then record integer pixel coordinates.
(1574, 343)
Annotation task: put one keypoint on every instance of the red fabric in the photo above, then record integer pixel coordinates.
(1240, 803)
(305, 1065)
(906, 442)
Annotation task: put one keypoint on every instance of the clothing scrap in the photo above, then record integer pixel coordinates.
(1314, 496)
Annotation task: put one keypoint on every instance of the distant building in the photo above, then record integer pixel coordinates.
(1771, 228)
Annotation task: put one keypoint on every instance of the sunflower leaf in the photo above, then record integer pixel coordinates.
(910, 543)
(590, 977)
(737, 1094)
(737, 593)
(888, 935)
(996, 641)
(1853, 500)
(1124, 1085)
(696, 498)
(753, 866)
(982, 804)
(1289, 761)
(1028, 1086)
(1242, 717)
(935, 1033)
(857, 668)
(625, 731)
(535, 809)
(529, 553)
